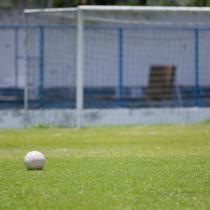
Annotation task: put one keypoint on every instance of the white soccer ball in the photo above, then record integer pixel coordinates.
(34, 160)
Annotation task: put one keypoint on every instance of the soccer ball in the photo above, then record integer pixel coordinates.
(34, 160)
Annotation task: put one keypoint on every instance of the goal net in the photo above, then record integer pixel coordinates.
(126, 59)
(51, 58)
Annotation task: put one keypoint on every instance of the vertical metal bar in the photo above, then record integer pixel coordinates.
(26, 98)
(197, 76)
(26, 88)
(41, 63)
(80, 69)
(16, 55)
(120, 67)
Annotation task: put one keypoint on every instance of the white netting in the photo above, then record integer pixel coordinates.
(133, 57)
(51, 55)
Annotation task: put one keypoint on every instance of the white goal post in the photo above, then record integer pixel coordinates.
(102, 59)
(178, 17)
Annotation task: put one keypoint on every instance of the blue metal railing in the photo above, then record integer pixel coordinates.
(41, 62)
(196, 91)
(197, 76)
(120, 67)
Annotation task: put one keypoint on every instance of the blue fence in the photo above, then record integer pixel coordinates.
(118, 66)
(11, 91)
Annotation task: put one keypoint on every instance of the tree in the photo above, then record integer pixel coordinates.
(142, 2)
(198, 3)
(169, 3)
(70, 3)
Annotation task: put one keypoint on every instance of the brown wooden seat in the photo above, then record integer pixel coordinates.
(161, 83)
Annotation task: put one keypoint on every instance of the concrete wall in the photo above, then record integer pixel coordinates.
(100, 117)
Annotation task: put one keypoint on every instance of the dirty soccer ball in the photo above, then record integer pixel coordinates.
(34, 160)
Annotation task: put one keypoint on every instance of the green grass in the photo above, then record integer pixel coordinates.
(134, 167)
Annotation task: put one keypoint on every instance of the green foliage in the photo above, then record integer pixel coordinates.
(198, 3)
(6, 4)
(168, 3)
(58, 3)
(41, 126)
(62, 3)
(134, 167)
(207, 121)
(70, 3)
(132, 2)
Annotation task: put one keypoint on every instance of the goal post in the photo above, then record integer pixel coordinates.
(169, 40)
(80, 69)
(109, 64)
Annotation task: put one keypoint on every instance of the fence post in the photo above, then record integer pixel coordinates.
(26, 99)
(197, 64)
(120, 66)
(16, 39)
(41, 63)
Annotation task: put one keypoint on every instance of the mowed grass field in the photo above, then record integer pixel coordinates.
(125, 168)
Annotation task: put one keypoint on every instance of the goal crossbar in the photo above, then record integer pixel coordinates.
(143, 8)
(50, 10)
(121, 9)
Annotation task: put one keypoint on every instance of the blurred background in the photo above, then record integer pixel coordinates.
(121, 59)
(11, 10)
